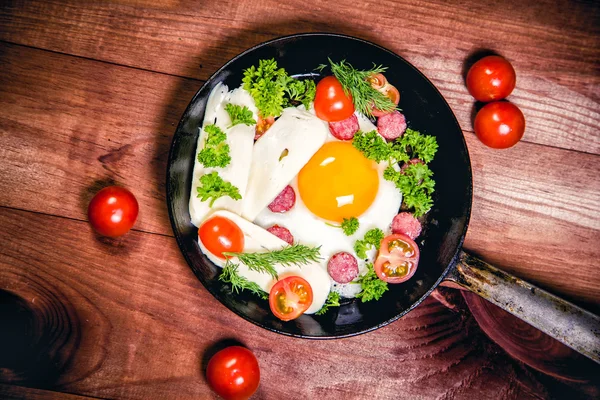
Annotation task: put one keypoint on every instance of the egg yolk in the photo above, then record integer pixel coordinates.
(338, 182)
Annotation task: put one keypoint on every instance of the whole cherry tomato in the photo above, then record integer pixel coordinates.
(491, 78)
(331, 103)
(290, 297)
(499, 125)
(398, 258)
(113, 211)
(233, 373)
(219, 234)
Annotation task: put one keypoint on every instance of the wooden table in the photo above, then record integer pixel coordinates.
(90, 95)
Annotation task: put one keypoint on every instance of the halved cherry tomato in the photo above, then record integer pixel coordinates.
(392, 93)
(233, 373)
(332, 104)
(491, 78)
(398, 259)
(377, 81)
(499, 124)
(290, 297)
(220, 234)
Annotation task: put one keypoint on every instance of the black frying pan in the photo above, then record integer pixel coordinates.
(441, 255)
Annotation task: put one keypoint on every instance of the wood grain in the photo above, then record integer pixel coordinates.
(11, 392)
(122, 134)
(555, 53)
(127, 319)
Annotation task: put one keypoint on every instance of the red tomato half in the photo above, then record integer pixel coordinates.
(290, 297)
(491, 78)
(233, 373)
(398, 259)
(331, 103)
(499, 125)
(113, 211)
(392, 93)
(220, 234)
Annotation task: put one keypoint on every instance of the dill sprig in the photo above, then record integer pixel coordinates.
(355, 82)
(297, 254)
(238, 283)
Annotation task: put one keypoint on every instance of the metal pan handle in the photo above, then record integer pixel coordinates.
(575, 327)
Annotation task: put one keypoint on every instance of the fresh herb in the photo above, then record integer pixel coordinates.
(372, 238)
(238, 283)
(350, 226)
(272, 88)
(355, 82)
(372, 145)
(212, 186)
(416, 185)
(239, 115)
(372, 287)
(297, 254)
(215, 152)
(333, 300)
(415, 145)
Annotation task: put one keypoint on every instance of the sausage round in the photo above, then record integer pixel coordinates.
(284, 200)
(342, 267)
(282, 233)
(345, 129)
(407, 224)
(391, 126)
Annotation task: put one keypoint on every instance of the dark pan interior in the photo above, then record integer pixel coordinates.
(425, 110)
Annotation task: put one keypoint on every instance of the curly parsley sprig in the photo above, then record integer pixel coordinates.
(239, 115)
(372, 287)
(212, 187)
(372, 239)
(348, 225)
(333, 300)
(215, 152)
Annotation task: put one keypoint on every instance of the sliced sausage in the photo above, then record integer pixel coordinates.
(391, 126)
(410, 162)
(342, 267)
(345, 129)
(284, 200)
(407, 224)
(282, 233)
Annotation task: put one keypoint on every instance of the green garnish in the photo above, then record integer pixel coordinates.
(215, 152)
(297, 254)
(416, 145)
(239, 115)
(212, 186)
(372, 145)
(355, 82)
(372, 238)
(238, 282)
(272, 88)
(416, 185)
(350, 226)
(333, 300)
(372, 287)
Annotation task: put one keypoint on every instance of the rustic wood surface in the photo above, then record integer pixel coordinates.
(90, 95)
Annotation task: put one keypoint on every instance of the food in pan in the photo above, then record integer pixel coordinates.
(297, 186)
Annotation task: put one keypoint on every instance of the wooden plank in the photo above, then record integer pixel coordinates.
(11, 392)
(524, 196)
(555, 53)
(127, 319)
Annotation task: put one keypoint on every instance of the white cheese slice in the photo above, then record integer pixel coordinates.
(279, 155)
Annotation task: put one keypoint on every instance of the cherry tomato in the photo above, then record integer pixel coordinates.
(331, 103)
(220, 234)
(113, 211)
(499, 125)
(233, 373)
(377, 81)
(392, 93)
(398, 259)
(290, 297)
(491, 78)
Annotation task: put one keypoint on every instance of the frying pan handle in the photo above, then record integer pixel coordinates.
(564, 321)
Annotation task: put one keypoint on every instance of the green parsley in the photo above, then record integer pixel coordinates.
(238, 283)
(239, 115)
(372, 238)
(333, 300)
(297, 254)
(272, 88)
(416, 185)
(415, 145)
(212, 186)
(372, 287)
(372, 145)
(215, 152)
(350, 226)
(355, 82)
